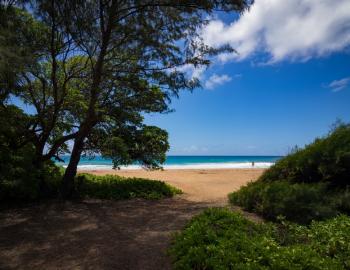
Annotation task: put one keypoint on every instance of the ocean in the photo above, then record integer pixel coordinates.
(186, 162)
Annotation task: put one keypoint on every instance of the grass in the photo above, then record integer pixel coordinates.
(220, 239)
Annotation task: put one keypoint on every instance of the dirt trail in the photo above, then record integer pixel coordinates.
(92, 234)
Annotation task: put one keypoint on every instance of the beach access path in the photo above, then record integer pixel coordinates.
(101, 234)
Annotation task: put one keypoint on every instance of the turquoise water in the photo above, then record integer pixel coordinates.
(190, 162)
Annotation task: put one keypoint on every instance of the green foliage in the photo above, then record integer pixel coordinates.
(90, 186)
(326, 159)
(21, 44)
(25, 183)
(118, 188)
(221, 239)
(298, 202)
(20, 179)
(147, 145)
(100, 69)
(310, 183)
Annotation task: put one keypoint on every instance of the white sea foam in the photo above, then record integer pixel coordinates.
(194, 166)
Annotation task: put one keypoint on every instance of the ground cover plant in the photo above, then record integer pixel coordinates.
(88, 186)
(117, 188)
(221, 239)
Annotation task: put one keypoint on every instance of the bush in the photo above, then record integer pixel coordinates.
(221, 239)
(22, 182)
(117, 188)
(101, 187)
(311, 183)
(325, 160)
(299, 203)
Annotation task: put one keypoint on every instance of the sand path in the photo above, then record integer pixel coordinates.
(133, 234)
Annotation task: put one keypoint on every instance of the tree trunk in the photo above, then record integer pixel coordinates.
(68, 186)
(38, 166)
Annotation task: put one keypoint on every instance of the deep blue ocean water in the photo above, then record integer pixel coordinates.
(190, 162)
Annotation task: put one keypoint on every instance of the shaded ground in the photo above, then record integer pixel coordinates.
(92, 234)
(131, 234)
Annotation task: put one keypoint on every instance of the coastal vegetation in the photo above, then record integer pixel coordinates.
(110, 187)
(312, 183)
(88, 72)
(221, 239)
(78, 77)
(306, 195)
(119, 188)
(21, 181)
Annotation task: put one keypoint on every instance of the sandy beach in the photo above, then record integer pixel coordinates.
(104, 234)
(207, 185)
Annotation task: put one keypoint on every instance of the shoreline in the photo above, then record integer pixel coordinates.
(199, 166)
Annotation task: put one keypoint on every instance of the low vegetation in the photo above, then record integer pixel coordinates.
(309, 184)
(327, 160)
(88, 186)
(297, 202)
(118, 188)
(221, 239)
(22, 179)
(310, 187)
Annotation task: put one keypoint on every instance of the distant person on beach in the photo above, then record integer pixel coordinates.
(253, 163)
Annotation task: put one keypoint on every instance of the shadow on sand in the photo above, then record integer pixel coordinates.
(132, 234)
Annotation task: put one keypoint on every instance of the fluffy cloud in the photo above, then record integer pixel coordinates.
(215, 80)
(338, 85)
(285, 29)
(193, 72)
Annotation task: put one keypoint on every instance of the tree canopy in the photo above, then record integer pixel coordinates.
(92, 69)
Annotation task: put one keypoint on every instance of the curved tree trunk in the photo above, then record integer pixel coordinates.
(68, 185)
(38, 166)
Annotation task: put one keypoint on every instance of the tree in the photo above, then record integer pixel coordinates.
(106, 64)
(22, 42)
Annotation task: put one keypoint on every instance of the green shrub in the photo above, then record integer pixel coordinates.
(19, 178)
(101, 187)
(343, 200)
(325, 160)
(310, 183)
(21, 182)
(297, 202)
(116, 187)
(221, 239)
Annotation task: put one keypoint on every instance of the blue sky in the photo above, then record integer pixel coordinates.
(289, 82)
(287, 86)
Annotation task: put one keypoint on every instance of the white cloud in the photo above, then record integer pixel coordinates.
(215, 80)
(192, 71)
(338, 85)
(285, 29)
